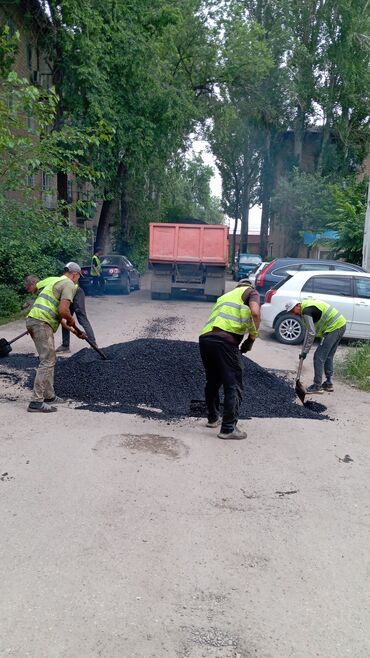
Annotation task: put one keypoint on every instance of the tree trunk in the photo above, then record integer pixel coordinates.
(107, 216)
(266, 192)
(124, 210)
(105, 219)
(298, 136)
(233, 243)
(244, 220)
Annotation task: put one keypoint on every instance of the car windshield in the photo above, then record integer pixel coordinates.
(111, 260)
(249, 260)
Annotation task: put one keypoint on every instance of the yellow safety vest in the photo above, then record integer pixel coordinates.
(97, 262)
(46, 306)
(331, 319)
(229, 313)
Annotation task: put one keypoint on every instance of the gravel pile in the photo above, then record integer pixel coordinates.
(163, 379)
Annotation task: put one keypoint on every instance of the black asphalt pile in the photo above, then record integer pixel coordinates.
(163, 379)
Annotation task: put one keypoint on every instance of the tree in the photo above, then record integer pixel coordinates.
(49, 241)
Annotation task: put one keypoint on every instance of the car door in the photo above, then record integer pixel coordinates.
(361, 314)
(334, 290)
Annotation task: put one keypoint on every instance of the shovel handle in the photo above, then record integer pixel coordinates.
(299, 371)
(17, 337)
(103, 356)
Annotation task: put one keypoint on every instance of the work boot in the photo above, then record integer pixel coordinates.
(40, 407)
(214, 423)
(55, 400)
(63, 348)
(328, 386)
(315, 389)
(236, 434)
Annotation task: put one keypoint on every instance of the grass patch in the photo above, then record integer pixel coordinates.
(11, 318)
(355, 367)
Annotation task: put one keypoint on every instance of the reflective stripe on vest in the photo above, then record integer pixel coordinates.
(229, 313)
(331, 319)
(46, 305)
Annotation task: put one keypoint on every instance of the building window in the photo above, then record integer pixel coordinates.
(46, 182)
(30, 123)
(69, 191)
(30, 181)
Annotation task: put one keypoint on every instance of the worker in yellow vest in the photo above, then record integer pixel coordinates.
(52, 306)
(78, 307)
(234, 314)
(323, 321)
(98, 280)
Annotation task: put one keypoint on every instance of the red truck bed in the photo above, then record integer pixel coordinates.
(188, 243)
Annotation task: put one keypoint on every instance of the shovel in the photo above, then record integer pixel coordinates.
(78, 331)
(299, 388)
(6, 345)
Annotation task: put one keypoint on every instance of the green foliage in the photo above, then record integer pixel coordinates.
(305, 202)
(33, 242)
(355, 367)
(310, 202)
(349, 220)
(187, 192)
(10, 302)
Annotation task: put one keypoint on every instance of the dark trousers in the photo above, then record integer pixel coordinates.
(323, 359)
(223, 364)
(98, 285)
(78, 307)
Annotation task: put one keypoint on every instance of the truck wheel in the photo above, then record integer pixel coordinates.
(155, 295)
(211, 298)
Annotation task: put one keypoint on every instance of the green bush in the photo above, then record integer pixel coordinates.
(10, 302)
(355, 366)
(35, 241)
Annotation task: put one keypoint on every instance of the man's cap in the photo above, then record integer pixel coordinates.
(73, 267)
(245, 282)
(291, 304)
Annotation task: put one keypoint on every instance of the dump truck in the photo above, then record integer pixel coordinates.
(188, 257)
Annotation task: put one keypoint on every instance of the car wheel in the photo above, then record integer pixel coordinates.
(125, 285)
(289, 329)
(138, 285)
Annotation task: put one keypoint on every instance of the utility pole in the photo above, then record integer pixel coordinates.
(366, 245)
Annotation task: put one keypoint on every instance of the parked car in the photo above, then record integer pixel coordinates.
(276, 270)
(253, 275)
(246, 264)
(349, 292)
(118, 272)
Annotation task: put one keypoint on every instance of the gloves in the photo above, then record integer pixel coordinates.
(247, 345)
(303, 355)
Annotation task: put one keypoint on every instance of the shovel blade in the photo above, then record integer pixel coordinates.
(5, 347)
(300, 390)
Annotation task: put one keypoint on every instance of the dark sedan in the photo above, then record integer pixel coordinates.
(118, 272)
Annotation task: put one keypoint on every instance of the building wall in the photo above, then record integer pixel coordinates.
(32, 64)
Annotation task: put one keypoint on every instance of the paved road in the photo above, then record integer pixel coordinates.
(128, 538)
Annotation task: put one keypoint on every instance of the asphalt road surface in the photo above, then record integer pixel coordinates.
(123, 537)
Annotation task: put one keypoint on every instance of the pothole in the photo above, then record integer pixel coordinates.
(155, 444)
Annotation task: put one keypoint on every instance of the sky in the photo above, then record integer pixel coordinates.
(202, 147)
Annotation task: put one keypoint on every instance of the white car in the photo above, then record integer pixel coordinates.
(349, 292)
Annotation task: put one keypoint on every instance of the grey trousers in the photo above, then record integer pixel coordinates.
(323, 359)
(43, 337)
(78, 307)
